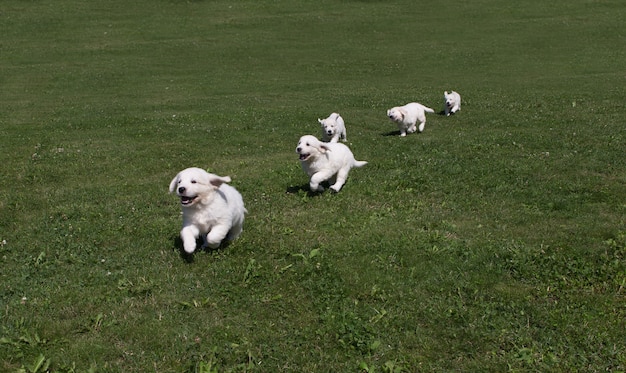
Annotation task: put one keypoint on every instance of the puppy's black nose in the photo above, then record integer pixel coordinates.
(181, 190)
(298, 150)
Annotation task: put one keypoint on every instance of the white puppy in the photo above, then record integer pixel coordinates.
(408, 115)
(333, 128)
(452, 102)
(325, 161)
(211, 208)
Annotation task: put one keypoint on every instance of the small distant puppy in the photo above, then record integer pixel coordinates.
(408, 115)
(452, 102)
(211, 208)
(325, 161)
(333, 128)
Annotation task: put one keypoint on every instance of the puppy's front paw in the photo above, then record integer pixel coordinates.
(316, 188)
(189, 247)
(211, 245)
(335, 188)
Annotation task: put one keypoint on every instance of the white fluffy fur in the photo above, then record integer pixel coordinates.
(211, 208)
(452, 102)
(407, 116)
(333, 128)
(325, 161)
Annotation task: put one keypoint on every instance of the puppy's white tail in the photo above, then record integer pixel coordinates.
(428, 110)
(360, 163)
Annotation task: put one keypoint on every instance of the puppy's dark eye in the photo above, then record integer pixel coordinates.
(307, 144)
(193, 181)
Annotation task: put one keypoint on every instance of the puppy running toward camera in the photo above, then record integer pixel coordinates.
(407, 116)
(333, 128)
(211, 208)
(452, 102)
(325, 161)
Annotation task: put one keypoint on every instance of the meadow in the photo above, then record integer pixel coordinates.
(494, 241)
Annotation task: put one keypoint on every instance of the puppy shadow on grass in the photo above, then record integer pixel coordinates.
(189, 258)
(392, 133)
(296, 189)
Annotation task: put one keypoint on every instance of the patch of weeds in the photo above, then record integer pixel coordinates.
(614, 260)
(39, 365)
(307, 258)
(318, 277)
(21, 341)
(350, 331)
(388, 366)
(251, 271)
(141, 287)
(531, 358)
(347, 327)
(95, 324)
(207, 364)
(212, 362)
(196, 303)
(599, 271)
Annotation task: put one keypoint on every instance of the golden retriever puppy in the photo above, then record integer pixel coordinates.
(211, 208)
(324, 161)
(407, 116)
(452, 102)
(333, 128)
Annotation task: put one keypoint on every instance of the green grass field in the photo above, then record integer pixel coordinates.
(494, 241)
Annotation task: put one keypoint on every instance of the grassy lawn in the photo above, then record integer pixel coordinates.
(494, 241)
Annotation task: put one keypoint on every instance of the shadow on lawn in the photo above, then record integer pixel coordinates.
(297, 189)
(391, 133)
(189, 258)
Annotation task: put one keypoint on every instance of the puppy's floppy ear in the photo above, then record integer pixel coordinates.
(317, 144)
(445, 93)
(216, 181)
(320, 121)
(402, 112)
(173, 183)
(323, 147)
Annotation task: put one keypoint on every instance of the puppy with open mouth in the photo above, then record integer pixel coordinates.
(211, 208)
(333, 128)
(452, 102)
(324, 161)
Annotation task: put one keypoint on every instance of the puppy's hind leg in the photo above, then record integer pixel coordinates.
(421, 127)
(341, 178)
(234, 232)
